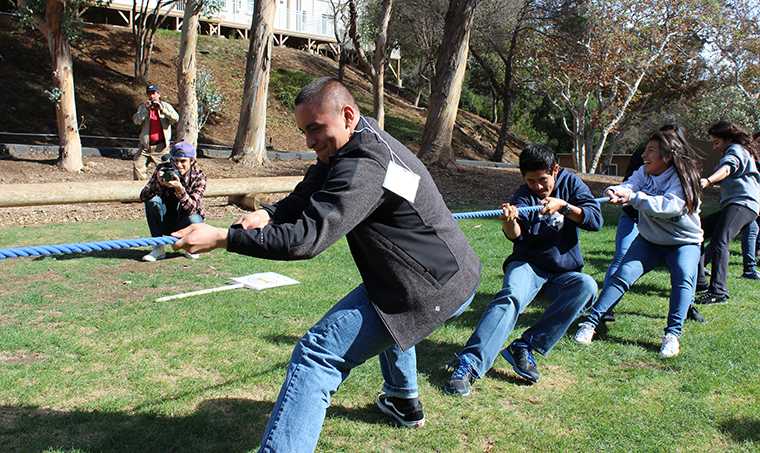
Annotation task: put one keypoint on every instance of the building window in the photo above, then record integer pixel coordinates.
(325, 26)
(300, 20)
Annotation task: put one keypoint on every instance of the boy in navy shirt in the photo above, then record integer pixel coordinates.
(545, 257)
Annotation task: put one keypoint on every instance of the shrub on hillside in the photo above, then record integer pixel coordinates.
(286, 83)
(210, 98)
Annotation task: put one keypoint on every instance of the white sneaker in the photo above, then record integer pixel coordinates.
(156, 254)
(670, 346)
(585, 333)
(190, 256)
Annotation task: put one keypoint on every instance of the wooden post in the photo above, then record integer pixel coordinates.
(129, 191)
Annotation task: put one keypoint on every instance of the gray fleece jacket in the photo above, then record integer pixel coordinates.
(413, 259)
(663, 216)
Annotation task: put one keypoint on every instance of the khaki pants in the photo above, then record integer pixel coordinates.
(153, 154)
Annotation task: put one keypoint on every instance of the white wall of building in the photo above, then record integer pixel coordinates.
(311, 17)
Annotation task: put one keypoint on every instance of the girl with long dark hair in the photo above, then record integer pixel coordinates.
(739, 204)
(627, 227)
(666, 192)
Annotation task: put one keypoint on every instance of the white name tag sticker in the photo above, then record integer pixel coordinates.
(401, 181)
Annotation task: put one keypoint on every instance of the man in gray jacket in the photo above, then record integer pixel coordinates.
(416, 266)
(155, 117)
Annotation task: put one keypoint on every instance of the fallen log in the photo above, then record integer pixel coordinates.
(15, 195)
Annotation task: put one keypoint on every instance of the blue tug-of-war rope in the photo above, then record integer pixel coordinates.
(88, 247)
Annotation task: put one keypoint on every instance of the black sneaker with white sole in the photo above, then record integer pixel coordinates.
(406, 412)
(709, 298)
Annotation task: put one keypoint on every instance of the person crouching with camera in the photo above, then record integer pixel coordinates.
(173, 196)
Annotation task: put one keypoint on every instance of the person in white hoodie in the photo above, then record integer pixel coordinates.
(666, 192)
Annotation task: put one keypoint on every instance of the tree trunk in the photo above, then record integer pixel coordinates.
(70, 145)
(342, 61)
(250, 141)
(378, 96)
(417, 98)
(378, 82)
(506, 125)
(447, 85)
(143, 50)
(187, 126)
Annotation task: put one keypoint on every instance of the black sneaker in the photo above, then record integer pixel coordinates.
(522, 361)
(608, 317)
(709, 298)
(461, 379)
(702, 288)
(406, 412)
(752, 275)
(694, 314)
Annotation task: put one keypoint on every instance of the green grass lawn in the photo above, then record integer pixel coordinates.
(90, 362)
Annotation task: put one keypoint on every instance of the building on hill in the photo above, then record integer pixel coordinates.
(302, 24)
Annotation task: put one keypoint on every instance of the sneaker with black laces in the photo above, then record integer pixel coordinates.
(694, 315)
(751, 275)
(709, 298)
(460, 382)
(522, 361)
(406, 412)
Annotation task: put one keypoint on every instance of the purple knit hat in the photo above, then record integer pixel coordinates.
(183, 149)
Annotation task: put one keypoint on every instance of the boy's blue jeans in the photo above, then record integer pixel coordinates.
(568, 293)
(164, 217)
(642, 257)
(349, 334)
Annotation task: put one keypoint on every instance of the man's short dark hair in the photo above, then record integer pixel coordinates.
(536, 158)
(326, 89)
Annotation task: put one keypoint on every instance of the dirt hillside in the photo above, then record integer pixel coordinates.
(107, 96)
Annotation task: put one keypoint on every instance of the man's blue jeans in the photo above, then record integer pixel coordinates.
(750, 244)
(164, 217)
(568, 293)
(349, 334)
(642, 257)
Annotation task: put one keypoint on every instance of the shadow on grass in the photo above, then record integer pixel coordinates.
(369, 414)
(223, 424)
(742, 429)
(469, 319)
(124, 254)
(649, 346)
(282, 340)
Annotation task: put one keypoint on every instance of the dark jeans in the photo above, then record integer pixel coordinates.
(164, 217)
(721, 227)
(750, 245)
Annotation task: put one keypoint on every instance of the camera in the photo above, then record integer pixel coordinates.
(166, 169)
